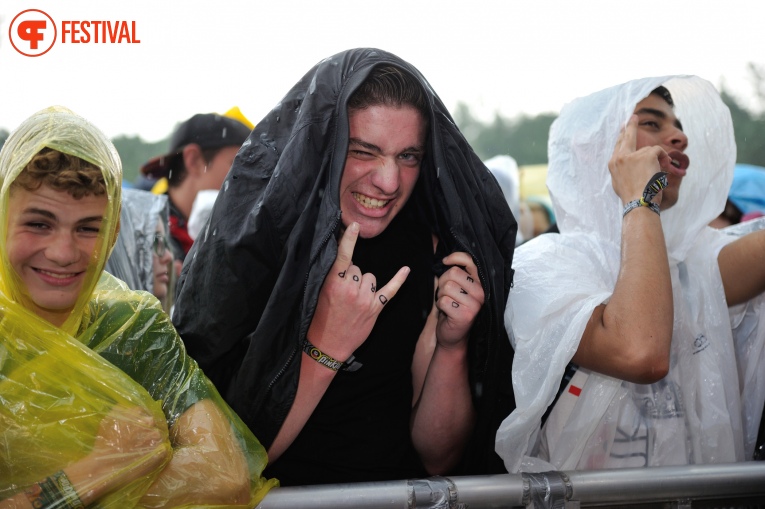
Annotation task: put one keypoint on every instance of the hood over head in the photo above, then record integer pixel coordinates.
(549, 309)
(270, 240)
(60, 129)
(582, 139)
(132, 259)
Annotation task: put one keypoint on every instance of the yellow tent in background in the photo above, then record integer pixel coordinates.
(533, 178)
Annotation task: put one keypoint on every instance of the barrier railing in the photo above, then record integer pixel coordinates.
(678, 486)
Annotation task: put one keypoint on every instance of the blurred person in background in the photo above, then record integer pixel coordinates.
(202, 150)
(142, 257)
(746, 198)
(505, 170)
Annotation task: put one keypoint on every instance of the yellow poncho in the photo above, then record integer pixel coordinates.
(116, 351)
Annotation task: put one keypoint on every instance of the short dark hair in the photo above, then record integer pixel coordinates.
(62, 172)
(662, 92)
(390, 86)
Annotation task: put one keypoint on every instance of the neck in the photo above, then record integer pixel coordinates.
(183, 196)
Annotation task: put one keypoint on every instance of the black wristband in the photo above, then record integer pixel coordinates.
(330, 362)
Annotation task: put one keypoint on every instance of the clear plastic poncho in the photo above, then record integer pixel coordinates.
(707, 409)
(116, 359)
(132, 259)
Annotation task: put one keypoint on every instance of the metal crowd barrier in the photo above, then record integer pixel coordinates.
(676, 487)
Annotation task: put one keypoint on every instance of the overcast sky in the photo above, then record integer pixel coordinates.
(524, 56)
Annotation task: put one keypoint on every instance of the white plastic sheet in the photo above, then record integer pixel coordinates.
(704, 411)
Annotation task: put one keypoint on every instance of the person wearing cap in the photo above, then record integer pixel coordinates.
(661, 313)
(202, 150)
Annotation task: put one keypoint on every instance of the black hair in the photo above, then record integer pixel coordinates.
(388, 85)
(662, 92)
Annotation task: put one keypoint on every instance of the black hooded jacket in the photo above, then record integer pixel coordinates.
(249, 286)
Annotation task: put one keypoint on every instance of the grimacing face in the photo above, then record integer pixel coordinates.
(658, 126)
(50, 243)
(385, 152)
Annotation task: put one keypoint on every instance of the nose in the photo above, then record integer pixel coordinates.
(167, 257)
(387, 177)
(63, 250)
(678, 139)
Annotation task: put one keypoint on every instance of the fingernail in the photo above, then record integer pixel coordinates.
(354, 227)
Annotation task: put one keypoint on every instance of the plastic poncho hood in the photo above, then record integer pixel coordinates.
(132, 259)
(561, 278)
(582, 141)
(61, 129)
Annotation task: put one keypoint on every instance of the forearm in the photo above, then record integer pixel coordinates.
(629, 338)
(313, 383)
(208, 465)
(88, 480)
(443, 417)
(742, 268)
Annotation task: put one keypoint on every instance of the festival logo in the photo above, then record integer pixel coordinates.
(33, 32)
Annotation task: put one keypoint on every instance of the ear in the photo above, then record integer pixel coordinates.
(193, 160)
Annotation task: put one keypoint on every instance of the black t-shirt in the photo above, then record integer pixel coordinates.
(360, 428)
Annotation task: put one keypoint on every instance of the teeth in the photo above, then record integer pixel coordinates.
(57, 276)
(370, 203)
(675, 163)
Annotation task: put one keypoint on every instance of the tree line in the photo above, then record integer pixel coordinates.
(523, 137)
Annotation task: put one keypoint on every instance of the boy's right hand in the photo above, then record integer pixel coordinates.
(349, 302)
(632, 168)
(130, 444)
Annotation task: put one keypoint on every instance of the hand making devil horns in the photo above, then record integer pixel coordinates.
(349, 302)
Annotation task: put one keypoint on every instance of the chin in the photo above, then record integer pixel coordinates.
(371, 231)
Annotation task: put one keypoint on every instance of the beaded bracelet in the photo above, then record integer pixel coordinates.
(330, 362)
(655, 184)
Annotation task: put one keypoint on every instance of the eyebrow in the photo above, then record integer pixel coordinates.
(660, 114)
(52, 216)
(374, 148)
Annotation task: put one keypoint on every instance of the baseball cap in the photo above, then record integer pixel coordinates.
(208, 130)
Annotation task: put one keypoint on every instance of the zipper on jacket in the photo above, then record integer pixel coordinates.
(318, 251)
(295, 349)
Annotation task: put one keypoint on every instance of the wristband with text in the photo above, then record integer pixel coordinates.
(655, 184)
(330, 362)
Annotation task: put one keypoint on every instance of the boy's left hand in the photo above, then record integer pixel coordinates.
(459, 299)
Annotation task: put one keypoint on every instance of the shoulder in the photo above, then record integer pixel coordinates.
(116, 311)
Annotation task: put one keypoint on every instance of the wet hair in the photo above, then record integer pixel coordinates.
(62, 172)
(390, 86)
(662, 92)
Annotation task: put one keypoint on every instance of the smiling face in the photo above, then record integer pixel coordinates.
(658, 126)
(385, 151)
(51, 238)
